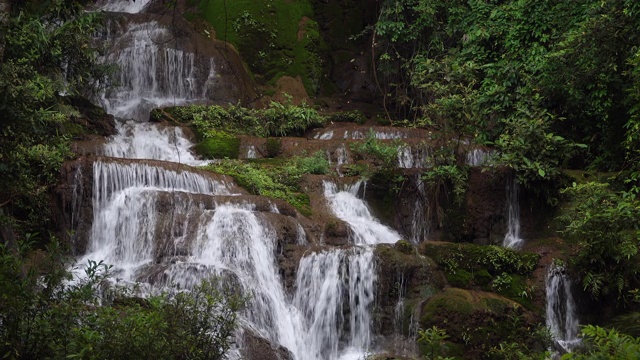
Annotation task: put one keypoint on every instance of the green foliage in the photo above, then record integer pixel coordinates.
(478, 322)
(534, 152)
(274, 147)
(381, 153)
(510, 350)
(354, 116)
(316, 164)
(276, 120)
(44, 315)
(280, 182)
(491, 268)
(442, 177)
(274, 37)
(219, 145)
(603, 344)
(47, 51)
(602, 224)
(290, 120)
(502, 71)
(434, 341)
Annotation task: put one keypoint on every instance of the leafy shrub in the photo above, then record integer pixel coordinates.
(274, 146)
(380, 153)
(276, 120)
(601, 343)
(262, 181)
(440, 177)
(602, 225)
(316, 164)
(491, 268)
(43, 315)
(354, 116)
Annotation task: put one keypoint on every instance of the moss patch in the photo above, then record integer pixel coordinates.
(219, 146)
(478, 321)
(490, 268)
(275, 37)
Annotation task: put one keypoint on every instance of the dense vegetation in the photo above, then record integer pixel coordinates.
(45, 315)
(47, 53)
(533, 78)
(550, 85)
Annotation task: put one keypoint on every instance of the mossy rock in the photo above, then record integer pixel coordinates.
(274, 147)
(476, 321)
(274, 37)
(486, 267)
(405, 247)
(219, 147)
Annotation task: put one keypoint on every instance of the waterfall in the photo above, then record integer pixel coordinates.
(562, 318)
(419, 221)
(405, 157)
(348, 207)
(512, 239)
(149, 141)
(127, 6)
(324, 280)
(478, 157)
(163, 227)
(251, 152)
(341, 155)
(361, 274)
(326, 318)
(150, 74)
(327, 135)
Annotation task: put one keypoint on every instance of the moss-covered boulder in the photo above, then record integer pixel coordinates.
(478, 322)
(488, 268)
(274, 37)
(219, 146)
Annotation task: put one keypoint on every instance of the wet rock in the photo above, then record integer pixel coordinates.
(258, 348)
(405, 278)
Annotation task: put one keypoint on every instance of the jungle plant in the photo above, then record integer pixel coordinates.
(601, 224)
(434, 342)
(381, 153)
(601, 343)
(265, 181)
(48, 52)
(44, 315)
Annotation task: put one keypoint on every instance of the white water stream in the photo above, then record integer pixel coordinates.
(512, 239)
(161, 226)
(562, 318)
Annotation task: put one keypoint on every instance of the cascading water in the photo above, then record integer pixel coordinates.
(512, 239)
(251, 152)
(348, 207)
(562, 318)
(162, 226)
(324, 280)
(149, 141)
(419, 222)
(127, 6)
(150, 74)
(360, 272)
